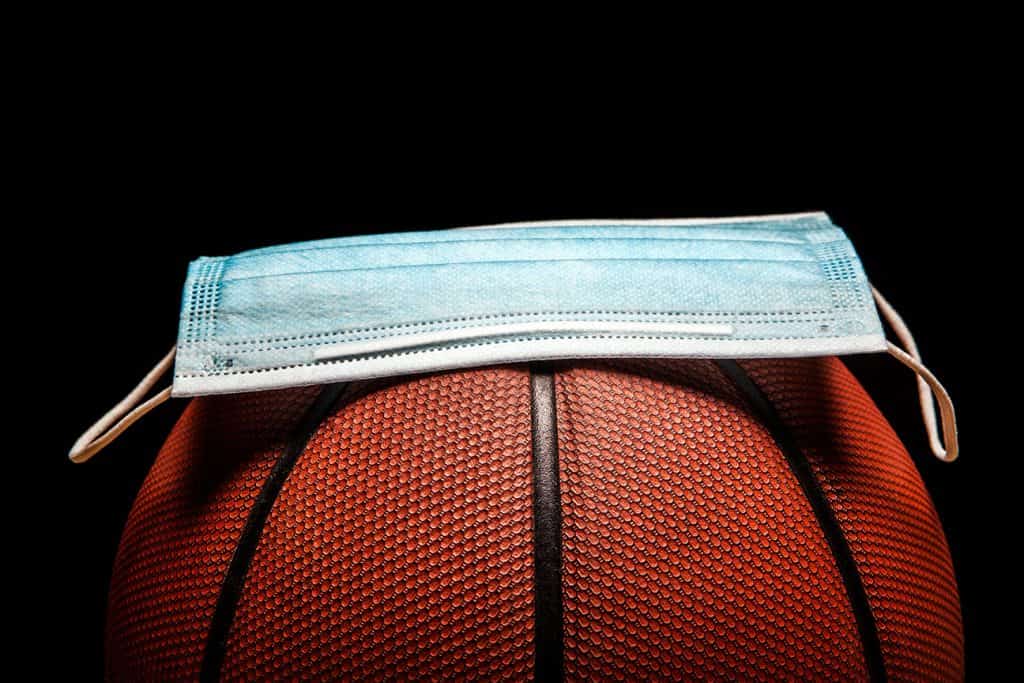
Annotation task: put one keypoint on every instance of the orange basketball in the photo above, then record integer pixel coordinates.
(577, 520)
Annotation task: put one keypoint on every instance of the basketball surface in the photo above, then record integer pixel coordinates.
(578, 520)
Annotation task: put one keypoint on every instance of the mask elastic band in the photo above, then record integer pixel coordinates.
(929, 390)
(124, 414)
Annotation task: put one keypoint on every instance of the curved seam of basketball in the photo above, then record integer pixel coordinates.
(547, 527)
(248, 541)
(841, 553)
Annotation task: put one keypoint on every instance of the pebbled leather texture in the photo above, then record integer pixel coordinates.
(414, 534)
(822, 510)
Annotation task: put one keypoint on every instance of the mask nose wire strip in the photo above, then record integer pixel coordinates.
(929, 390)
(124, 414)
(388, 345)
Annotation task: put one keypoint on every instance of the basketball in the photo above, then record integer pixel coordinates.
(631, 519)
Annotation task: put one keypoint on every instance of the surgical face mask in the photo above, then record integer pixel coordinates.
(383, 305)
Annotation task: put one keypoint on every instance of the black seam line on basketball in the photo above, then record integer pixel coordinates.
(547, 527)
(830, 527)
(241, 559)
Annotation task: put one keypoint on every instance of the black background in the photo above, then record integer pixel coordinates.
(135, 196)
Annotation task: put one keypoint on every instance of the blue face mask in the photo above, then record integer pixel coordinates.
(382, 305)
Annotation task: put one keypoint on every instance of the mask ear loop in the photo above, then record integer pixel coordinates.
(929, 390)
(124, 414)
